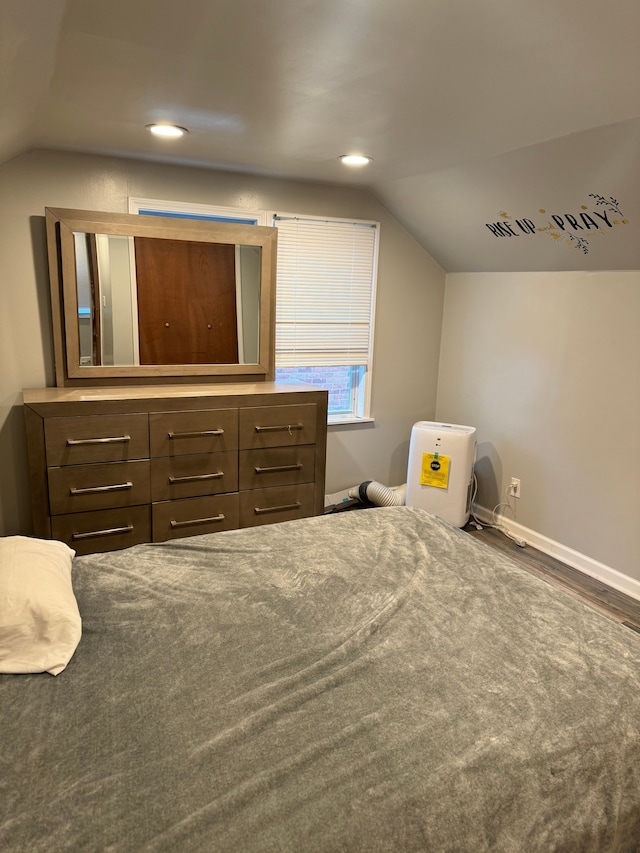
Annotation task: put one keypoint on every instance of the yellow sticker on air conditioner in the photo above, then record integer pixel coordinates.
(435, 470)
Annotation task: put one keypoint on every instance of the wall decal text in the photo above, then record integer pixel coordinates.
(569, 228)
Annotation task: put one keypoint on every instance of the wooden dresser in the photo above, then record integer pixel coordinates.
(113, 467)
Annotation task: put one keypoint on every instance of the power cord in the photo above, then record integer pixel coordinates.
(494, 524)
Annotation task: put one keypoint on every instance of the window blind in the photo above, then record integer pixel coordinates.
(325, 290)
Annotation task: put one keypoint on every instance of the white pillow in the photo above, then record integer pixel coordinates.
(40, 625)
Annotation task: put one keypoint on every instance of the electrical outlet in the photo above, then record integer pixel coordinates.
(514, 487)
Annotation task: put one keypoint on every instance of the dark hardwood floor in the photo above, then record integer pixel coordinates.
(608, 601)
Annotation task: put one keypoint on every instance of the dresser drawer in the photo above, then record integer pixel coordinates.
(277, 466)
(193, 475)
(105, 530)
(78, 488)
(282, 503)
(193, 516)
(179, 433)
(277, 426)
(96, 438)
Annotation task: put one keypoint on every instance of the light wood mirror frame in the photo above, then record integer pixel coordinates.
(63, 223)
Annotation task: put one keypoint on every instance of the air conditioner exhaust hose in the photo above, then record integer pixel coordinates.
(375, 493)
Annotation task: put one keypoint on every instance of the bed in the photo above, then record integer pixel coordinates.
(364, 681)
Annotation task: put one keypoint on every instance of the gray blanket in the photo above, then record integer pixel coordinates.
(368, 681)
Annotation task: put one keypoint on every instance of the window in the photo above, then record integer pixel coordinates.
(183, 210)
(325, 298)
(325, 308)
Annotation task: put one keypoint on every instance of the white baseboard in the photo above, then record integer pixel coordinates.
(607, 575)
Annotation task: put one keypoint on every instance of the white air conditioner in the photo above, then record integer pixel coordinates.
(440, 473)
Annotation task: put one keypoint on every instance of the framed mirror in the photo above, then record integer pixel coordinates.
(147, 298)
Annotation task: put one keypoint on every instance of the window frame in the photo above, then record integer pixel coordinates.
(188, 210)
(362, 387)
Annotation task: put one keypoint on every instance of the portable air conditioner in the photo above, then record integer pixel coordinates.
(440, 473)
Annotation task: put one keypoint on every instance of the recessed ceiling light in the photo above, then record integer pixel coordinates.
(168, 131)
(355, 159)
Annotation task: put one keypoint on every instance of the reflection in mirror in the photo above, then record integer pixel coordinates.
(138, 298)
(147, 300)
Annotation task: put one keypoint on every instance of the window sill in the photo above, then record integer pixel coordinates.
(338, 420)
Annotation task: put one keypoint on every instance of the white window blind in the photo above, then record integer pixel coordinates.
(325, 291)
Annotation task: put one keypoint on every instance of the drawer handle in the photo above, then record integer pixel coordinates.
(259, 510)
(94, 490)
(191, 521)
(196, 478)
(296, 467)
(197, 434)
(74, 442)
(280, 428)
(112, 531)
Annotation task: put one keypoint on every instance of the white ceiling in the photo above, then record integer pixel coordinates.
(475, 111)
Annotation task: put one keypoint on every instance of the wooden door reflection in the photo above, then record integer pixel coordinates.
(186, 302)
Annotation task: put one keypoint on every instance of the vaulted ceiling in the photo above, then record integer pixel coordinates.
(505, 133)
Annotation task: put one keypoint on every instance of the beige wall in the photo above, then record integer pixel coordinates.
(409, 303)
(547, 367)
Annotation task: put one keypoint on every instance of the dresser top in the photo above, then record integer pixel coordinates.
(51, 401)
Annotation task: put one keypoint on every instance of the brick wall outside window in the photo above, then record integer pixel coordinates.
(337, 380)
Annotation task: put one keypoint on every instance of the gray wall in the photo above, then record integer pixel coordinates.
(547, 367)
(409, 301)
